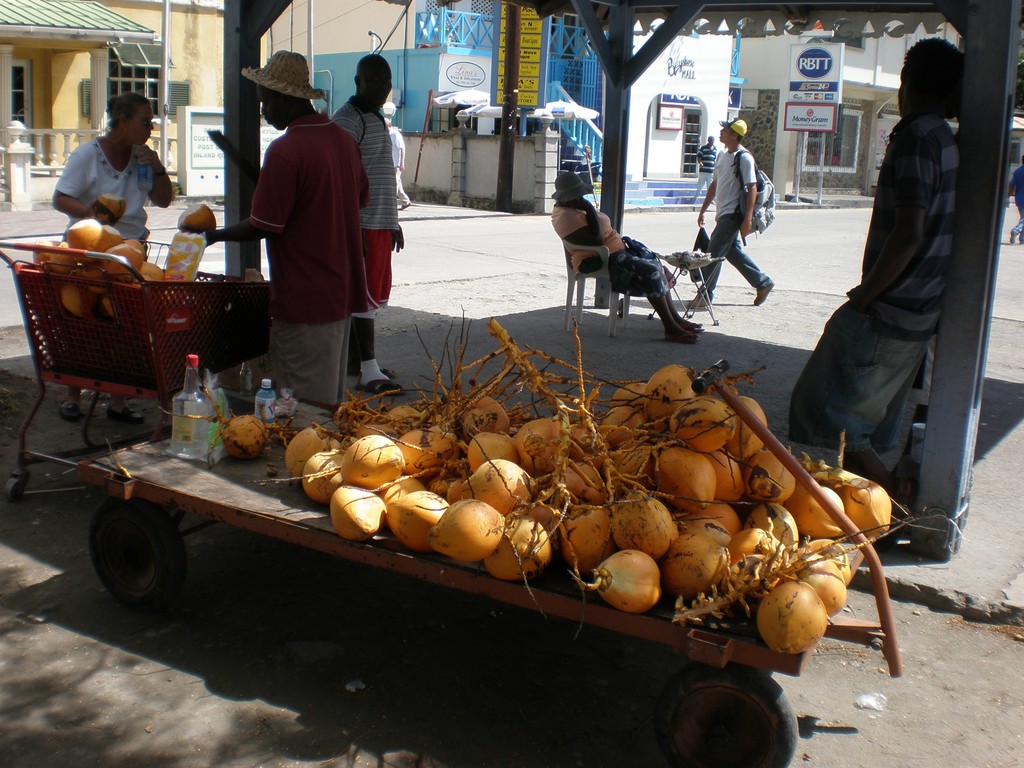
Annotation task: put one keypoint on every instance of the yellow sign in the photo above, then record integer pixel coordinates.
(529, 41)
(525, 69)
(531, 37)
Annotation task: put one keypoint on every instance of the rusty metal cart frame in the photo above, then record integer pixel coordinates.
(137, 550)
(135, 347)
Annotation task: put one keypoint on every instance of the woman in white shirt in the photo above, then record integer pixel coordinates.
(109, 164)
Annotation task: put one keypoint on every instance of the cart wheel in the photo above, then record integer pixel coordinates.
(14, 489)
(734, 716)
(138, 553)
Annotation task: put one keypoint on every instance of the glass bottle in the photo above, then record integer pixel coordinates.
(245, 379)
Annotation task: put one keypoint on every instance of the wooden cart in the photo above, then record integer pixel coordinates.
(722, 709)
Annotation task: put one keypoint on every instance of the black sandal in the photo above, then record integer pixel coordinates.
(381, 387)
(70, 411)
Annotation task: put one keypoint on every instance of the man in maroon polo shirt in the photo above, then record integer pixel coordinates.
(306, 204)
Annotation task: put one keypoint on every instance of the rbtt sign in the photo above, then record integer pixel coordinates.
(814, 63)
(815, 81)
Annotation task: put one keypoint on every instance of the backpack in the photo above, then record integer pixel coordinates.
(764, 204)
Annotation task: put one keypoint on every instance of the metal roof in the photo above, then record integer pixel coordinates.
(67, 19)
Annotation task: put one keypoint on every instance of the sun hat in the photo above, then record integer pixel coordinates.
(569, 186)
(286, 72)
(737, 126)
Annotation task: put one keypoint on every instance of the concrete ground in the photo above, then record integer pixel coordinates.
(254, 698)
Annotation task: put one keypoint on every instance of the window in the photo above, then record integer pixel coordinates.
(837, 151)
(128, 74)
(135, 68)
(180, 96)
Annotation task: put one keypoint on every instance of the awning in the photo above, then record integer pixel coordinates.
(75, 20)
(139, 55)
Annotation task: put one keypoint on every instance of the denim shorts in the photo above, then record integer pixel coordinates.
(855, 380)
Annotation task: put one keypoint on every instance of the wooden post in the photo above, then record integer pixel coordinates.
(509, 104)
(423, 136)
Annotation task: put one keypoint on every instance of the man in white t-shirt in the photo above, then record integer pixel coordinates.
(734, 210)
(398, 156)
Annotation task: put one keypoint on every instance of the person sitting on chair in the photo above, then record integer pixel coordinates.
(575, 220)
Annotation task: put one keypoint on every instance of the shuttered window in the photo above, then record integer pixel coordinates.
(180, 96)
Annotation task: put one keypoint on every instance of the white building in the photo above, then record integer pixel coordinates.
(847, 159)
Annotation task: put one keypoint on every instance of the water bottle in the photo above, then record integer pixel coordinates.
(265, 399)
(145, 175)
(190, 438)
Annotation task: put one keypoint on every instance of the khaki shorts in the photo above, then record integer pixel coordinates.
(308, 359)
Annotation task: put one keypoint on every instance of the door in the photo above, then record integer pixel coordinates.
(21, 93)
(691, 142)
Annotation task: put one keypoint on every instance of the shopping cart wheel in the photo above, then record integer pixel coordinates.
(738, 715)
(14, 489)
(138, 553)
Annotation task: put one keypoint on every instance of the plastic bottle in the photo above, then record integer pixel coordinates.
(190, 438)
(286, 404)
(216, 450)
(144, 175)
(265, 399)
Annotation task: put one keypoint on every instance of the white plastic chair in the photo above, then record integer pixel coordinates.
(576, 285)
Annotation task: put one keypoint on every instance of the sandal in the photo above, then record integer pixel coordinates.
(683, 338)
(70, 411)
(381, 387)
(127, 415)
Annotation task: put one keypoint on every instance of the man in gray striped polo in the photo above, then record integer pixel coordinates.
(361, 117)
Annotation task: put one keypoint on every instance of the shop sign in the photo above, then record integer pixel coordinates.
(810, 117)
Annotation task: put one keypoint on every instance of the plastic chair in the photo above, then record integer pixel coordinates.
(576, 285)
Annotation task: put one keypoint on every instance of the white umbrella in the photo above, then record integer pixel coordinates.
(483, 110)
(472, 97)
(565, 110)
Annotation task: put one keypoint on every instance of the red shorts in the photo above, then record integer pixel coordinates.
(379, 243)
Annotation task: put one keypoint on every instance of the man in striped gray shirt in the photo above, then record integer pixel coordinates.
(859, 376)
(361, 117)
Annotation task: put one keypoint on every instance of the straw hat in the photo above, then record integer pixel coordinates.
(288, 73)
(569, 186)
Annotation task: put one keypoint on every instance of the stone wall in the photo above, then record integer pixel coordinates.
(761, 122)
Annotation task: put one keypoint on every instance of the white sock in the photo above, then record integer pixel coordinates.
(370, 372)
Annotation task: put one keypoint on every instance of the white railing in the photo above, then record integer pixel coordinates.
(52, 147)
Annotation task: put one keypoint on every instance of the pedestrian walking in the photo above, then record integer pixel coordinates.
(733, 190)
(398, 158)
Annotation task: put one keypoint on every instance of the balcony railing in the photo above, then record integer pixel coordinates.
(454, 28)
